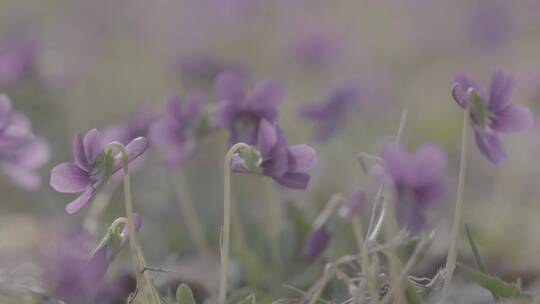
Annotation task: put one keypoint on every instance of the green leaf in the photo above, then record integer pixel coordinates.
(411, 295)
(184, 295)
(497, 286)
(476, 253)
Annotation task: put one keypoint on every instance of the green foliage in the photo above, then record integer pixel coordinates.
(497, 286)
(184, 295)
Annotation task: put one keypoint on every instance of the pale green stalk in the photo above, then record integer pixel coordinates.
(365, 262)
(452, 251)
(136, 252)
(227, 220)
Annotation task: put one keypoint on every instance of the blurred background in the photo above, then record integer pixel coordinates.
(75, 65)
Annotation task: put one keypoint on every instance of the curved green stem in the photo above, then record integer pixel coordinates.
(136, 252)
(226, 232)
(452, 251)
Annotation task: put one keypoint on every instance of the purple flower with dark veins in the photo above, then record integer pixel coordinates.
(418, 180)
(331, 114)
(241, 112)
(492, 114)
(177, 130)
(287, 165)
(21, 152)
(91, 169)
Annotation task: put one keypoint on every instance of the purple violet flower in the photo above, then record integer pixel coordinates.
(75, 274)
(89, 170)
(176, 131)
(492, 114)
(241, 112)
(418, 180)
(316, 242)
(331, 114)
(287, 165)
(137, 126)
(17, 58)
(21, 152)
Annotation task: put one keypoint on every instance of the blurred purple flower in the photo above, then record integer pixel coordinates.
(176, 131)
(242, 113)
(88, 172)
(316, 48)
(138, 126)
(316, 242)
(17, 58)
(75, 275)
(490, 23)
(202, 67)
(21, 152)
(418, 180)
(353, 206)
(287, 165)
(333, 111)
(494, 113)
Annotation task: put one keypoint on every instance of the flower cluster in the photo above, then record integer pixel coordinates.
(21, 151)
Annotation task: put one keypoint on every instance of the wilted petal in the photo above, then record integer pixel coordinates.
(92, 145)
(316, 243)
(80, 201)
(231, 87)
(293, 180)
(69, 178)
(267, 138)
(513, 118)
(305, 158)
(502, 87)
(266, 94)
(491, 146)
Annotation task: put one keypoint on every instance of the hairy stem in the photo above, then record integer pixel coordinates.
(452, 251)
(136, 252)
(365, 262)
(225, 245)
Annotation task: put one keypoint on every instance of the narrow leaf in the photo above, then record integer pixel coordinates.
(476, 253)
(497, 286)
